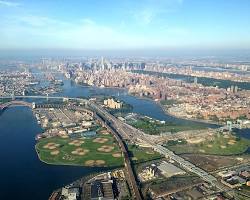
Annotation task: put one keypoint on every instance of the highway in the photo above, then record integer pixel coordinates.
(102, 116)
(122, 131)
(134, 135)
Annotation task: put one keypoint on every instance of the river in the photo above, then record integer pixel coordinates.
(22, 173)
(140, 105)
(205, 81)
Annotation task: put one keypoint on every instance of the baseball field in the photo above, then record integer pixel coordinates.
(99, 151)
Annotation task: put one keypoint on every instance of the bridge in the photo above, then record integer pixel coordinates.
(137, 135)
(33, 105)
(12, 97)
(44, 97)
(131, 177)
(17, 103)
(120, 130)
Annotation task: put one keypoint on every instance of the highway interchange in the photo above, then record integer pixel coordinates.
(126, 131)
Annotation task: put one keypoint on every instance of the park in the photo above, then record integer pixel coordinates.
(99, 151)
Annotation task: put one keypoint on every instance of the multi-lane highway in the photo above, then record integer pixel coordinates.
(123, 130)
(101, 114)
(136, 135)
(111, 124)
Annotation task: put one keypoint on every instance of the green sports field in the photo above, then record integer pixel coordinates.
(140, 154)
(103, 152)
(219, 145)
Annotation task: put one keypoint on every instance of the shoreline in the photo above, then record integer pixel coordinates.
(195, 75)
(99, 87)
(158, 103)
(73, 165)
(194, 120)
(177, 117)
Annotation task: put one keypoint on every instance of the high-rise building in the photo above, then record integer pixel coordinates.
(195, 80)
(236, 89)
(102, 63)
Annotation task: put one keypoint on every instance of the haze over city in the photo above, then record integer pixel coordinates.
(126, 24)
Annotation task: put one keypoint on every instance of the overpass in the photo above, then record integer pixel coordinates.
(137, 135)
(120, 130)
(129, 170)
(132, 181)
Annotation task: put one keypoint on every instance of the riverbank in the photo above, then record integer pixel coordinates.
(118, 93)
(98, 87)
(174, 116)
(206, 81)
(21, 168)
(194, 120)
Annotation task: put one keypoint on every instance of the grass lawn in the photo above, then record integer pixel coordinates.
(140, 154)
(219, 145)
(66, 157)
(154, 127)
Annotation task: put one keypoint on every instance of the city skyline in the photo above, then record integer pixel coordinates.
(125, 25)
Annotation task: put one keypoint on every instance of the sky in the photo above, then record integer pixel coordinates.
(124, 24)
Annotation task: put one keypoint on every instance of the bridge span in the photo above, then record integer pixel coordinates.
(15, 103)
(45, 97)
(33, 105)
(23, 103)
(119, 129)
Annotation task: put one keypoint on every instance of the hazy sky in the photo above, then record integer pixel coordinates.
(125, 24)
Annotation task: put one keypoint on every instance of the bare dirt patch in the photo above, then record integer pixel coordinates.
(64, 136)
(51, 146)
(117, 155)
(92, 163)
(105, 148)
(80, 151)
(195, 140)
(76, 143)
(231, 142)
(210, 162)
(100, 140)
(55, 152)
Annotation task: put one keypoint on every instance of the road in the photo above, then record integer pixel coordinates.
(102, 116)
(136, 135)
(112, 127)
(126, 131)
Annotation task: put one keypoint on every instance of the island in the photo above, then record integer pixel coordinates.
(77, 138)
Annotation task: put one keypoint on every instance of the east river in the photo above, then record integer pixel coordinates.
(22, 174)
